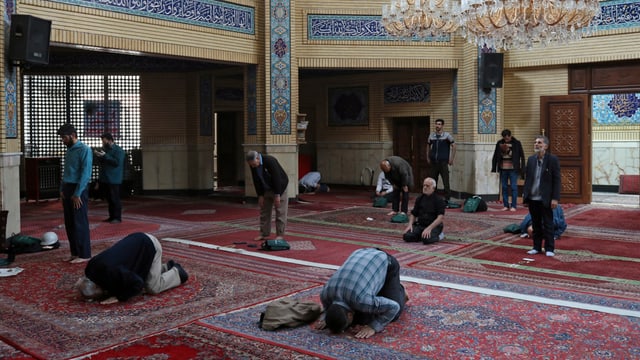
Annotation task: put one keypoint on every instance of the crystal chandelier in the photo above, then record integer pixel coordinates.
(497, 24)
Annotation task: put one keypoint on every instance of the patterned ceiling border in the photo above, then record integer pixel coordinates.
(209, 13)
(350, 27)
(618, 14)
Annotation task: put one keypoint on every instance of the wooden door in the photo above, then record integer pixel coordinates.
(410, 142)
(566, 121)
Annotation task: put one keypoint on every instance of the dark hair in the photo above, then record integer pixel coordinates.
(440, 120)
(336, 318)
(506, 132)
(107, 136)
(67, 129)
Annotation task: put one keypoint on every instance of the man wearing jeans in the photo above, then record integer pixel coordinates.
(441, 151)
(508, 158)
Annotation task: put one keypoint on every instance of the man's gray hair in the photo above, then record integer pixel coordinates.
(544, 139)
(431, 181)
(252, 155)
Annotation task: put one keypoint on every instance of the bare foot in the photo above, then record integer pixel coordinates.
(392, 213)
(512, 209)
(70, 258)
(504, 209)
(259, 238)
(79, 260)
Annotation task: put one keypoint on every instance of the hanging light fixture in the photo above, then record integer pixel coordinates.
(498, 24)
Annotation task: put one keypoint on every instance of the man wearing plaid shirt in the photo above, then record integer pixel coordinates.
(365, 290)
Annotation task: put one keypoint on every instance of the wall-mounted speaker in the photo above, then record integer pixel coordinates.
(29, 39)
(491, 70)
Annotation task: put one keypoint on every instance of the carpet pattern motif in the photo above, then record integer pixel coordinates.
(43, 311)
(442, 323)
(194, 341)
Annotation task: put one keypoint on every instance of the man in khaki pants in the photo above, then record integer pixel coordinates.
(270, 181)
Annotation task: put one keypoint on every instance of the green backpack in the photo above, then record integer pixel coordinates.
(474, 204)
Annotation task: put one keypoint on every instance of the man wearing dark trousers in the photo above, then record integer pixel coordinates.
(541, 194)
(270, 181)
(111, 159)
(400, 174)
(441, 152)
(426, 219)
(74, 192)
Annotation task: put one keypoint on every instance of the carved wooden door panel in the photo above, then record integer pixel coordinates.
(410, 142)
(566, 121)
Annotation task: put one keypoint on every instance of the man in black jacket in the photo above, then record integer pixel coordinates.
(270, 181)
(400, 174)
(426, 219)
(508, 158)
(542, 194)
(130, 266)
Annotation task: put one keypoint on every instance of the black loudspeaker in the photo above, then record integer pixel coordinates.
(29, 39)
(491, 70)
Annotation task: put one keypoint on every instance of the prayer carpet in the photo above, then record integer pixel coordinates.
(47, 321)
(441, 323)
(43, 316)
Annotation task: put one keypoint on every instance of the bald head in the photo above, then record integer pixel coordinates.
(385, 166)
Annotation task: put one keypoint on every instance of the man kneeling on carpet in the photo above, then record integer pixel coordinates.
(427, 216)
(130, 266)
(365, 291)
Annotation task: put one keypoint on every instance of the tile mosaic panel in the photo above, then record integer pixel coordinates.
(209, 13)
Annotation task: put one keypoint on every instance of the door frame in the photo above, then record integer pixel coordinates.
(566, 121)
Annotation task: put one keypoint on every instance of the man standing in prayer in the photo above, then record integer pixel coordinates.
(111, 159)
(542, 194)
(441, 152)
(74, 192)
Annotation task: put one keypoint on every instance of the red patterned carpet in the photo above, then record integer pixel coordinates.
(214, 315)
(43, 316)
(442, 323)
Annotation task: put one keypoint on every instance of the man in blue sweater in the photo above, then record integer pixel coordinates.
(74, 193)
(111, 159)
